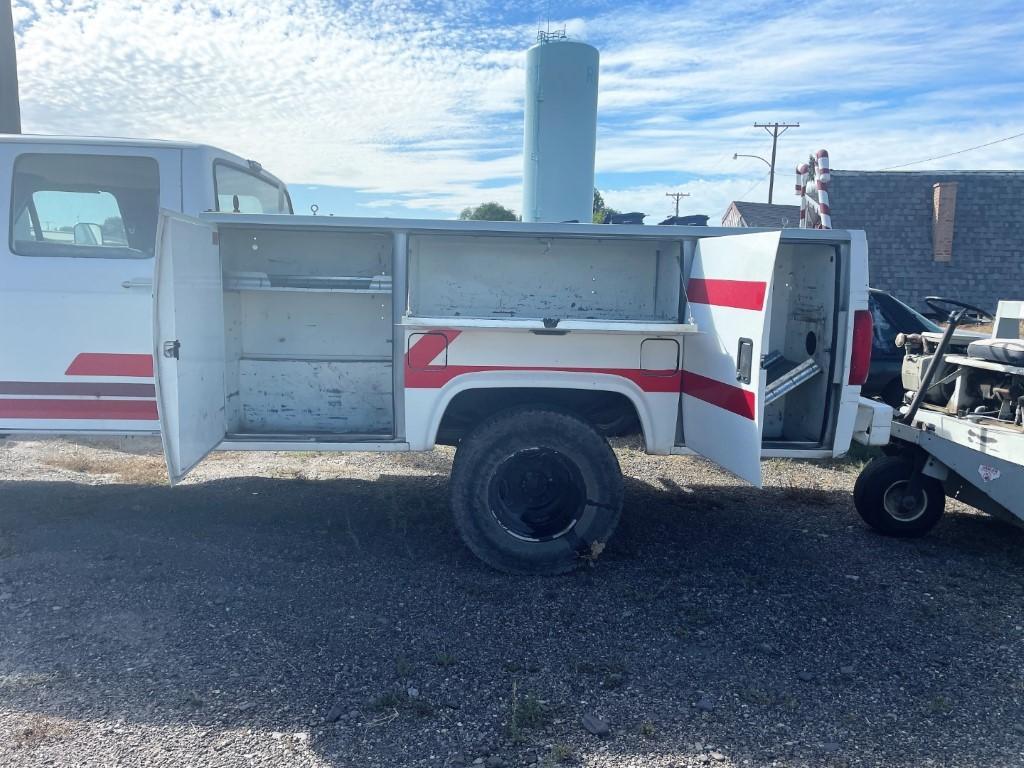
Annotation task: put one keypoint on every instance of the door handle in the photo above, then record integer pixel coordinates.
(744, 360)
(138, 282)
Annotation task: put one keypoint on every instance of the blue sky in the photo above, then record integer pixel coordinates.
(399, 108)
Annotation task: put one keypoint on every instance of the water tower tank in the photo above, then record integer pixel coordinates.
(560, 130)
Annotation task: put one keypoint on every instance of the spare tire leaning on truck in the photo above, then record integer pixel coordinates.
(535, 491)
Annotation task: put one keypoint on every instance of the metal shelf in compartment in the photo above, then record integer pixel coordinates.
(261, 281)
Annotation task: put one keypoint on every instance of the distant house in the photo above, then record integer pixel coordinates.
(744, 214)
(947, 233)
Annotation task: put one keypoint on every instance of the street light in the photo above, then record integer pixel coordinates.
(736, 155)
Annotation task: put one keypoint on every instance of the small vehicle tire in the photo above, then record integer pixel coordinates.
(535, 491)
(877, 497)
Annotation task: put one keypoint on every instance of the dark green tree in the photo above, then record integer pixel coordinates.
(488, 212)
(600, 209)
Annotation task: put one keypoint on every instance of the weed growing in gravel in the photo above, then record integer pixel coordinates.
(560, 753)
(445, 659)
(525, 712)
(647, 729)
(940, 705)
(404, 667)
(387, 700)
(399, 701)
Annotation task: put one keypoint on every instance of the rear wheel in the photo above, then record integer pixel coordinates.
(881, 495)
(535, 491)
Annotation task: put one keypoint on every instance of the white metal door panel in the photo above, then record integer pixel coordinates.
(75, 335)
(722, 382)
(188, 323)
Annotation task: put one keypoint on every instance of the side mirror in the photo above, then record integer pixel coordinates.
(88, 234)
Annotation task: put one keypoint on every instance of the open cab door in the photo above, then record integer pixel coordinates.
(188, 323)
(723, 383)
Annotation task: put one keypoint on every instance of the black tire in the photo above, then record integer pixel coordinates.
(877, 495)
(535, 491)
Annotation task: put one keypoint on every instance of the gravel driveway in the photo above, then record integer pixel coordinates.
(317, 610)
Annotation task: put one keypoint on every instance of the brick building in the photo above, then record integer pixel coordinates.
(949, 233)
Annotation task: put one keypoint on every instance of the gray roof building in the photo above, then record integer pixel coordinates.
(947, 233)
(743, 214)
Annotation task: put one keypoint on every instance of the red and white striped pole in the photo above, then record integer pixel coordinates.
(814, 177)
(823, 177)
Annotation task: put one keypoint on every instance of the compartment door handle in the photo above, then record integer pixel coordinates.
(744, 360)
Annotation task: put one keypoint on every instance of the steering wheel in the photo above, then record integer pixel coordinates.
(974, 315)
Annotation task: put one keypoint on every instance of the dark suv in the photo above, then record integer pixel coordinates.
(890, 316)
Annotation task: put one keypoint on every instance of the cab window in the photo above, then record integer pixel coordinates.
(242, 191)
(91, 206)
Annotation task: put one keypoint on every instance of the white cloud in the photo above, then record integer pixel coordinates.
(419, 103)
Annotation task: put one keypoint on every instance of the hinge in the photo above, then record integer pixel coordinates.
(171, 348)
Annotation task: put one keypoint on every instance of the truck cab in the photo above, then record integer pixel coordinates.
(79, 233)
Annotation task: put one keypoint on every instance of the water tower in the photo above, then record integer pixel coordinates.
(560, 133)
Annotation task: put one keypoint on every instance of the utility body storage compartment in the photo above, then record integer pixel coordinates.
(357, 334)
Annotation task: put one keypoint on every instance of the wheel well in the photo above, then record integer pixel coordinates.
(612, 413)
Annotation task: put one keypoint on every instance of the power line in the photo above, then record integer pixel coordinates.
(754, 186)
(958, 152)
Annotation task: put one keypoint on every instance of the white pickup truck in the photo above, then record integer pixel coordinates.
(522, 344)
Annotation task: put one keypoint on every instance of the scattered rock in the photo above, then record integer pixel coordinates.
(494, 761)
(413, 692)
(847, 669)
(716, 756)
(596, 725)
(805, 676)
(478, 761)
(704, 704)
(830, 746)
(334, 713)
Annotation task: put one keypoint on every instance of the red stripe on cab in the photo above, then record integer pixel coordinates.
(110, 364)
(731, 398)
(741, 294)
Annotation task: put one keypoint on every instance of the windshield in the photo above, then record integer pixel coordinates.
(908, 318)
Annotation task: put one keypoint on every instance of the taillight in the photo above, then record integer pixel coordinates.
(860, 359)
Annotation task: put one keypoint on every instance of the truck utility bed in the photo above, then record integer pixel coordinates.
(361, 333)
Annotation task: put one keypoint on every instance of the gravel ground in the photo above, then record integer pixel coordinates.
(318, 610)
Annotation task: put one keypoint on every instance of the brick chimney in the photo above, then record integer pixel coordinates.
(943, 217)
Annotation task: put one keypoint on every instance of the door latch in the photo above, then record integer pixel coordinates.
(744, 360)
(171, 349)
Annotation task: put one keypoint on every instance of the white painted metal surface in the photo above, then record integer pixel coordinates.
(188, 323)
(560, 132)
(75, 332)
(728, 290)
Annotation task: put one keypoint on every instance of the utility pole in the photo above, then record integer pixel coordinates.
(677, 196)
(10, 109)
(773, 129)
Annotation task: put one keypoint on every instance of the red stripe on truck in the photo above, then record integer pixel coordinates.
(648, 381)
(87, 388)
(742, 402)
(741, 294)
(127, 410)
(110, 364)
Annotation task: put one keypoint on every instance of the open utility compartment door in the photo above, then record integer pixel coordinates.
(188, 323)
(723, 383)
